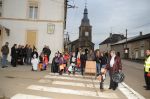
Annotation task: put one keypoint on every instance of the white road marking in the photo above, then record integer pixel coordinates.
(73, 92)
(129, 92)
(71, 75)
(25, 96)
(72, 83)
(70, 78)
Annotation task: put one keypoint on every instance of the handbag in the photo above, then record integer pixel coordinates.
(61, 67)
(118, 77)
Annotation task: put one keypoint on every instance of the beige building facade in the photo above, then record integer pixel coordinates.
(34, 22)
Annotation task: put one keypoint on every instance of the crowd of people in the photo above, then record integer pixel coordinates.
(27, 55)
(70, 62)
(74, 61)
(64, 62)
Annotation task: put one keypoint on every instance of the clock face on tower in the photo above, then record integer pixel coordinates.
(86, 33)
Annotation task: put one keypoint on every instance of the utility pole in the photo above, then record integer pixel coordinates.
(126, 37)
(126, 49)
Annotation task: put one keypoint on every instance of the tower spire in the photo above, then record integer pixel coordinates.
(85, 3)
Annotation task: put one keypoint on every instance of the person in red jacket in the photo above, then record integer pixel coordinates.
(114, 65)
(45, 64)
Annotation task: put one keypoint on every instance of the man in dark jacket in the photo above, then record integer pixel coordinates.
(5, 52)
(14, 53)
(83, 62)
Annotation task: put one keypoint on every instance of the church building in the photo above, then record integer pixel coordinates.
(85, 34)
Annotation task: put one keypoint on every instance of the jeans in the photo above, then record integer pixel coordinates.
(98, 68)
(4, 60)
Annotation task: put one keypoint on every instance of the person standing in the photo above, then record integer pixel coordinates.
(72, 64)
(48, 52)
(29, 52)
(25, 53)
(98, 63)
(147, 69)
(54, 66)
(14, 53)
(61, 63)
(5, 52)
(34, 62)
(113, 66)
(83, 61)
(103, 64)
(90, 56)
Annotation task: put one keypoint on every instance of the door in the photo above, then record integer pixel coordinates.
(136, 55)
(31, 38)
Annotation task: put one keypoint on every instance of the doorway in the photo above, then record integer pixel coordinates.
(31, 38)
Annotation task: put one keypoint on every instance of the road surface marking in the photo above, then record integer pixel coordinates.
(78, 84)
(72, 83)
(25, 96)
(69, 78)
(73, 92)
(71, 75)
(129, 92)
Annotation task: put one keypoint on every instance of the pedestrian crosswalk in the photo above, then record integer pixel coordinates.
(76, 85)
(25, 96)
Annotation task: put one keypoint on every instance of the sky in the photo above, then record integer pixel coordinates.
(108, 16)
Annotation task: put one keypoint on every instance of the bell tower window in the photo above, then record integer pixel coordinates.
(86, 33)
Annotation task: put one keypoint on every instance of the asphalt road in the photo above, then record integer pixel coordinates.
(135, 77)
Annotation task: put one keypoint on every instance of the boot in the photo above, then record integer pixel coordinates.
(101, 85)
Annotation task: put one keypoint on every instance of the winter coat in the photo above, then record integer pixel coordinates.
(35, 63)
(14, 52)
(5, 50)
(116, 67)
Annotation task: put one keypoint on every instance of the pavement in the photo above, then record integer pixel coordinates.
(22, 83)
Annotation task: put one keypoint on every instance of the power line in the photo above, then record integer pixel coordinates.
(140, 26)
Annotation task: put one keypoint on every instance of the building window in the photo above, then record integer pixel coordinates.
(1, 8)
(86, 33)
(142, 43)
(142, 53)
(33, 10)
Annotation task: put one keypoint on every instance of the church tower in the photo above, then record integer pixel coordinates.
(85, 34)
(85, 29)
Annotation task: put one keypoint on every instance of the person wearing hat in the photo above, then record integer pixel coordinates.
(5, 52)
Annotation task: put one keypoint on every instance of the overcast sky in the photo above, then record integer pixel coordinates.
(107, 15)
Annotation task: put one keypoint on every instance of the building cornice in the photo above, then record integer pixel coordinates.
(31, 20)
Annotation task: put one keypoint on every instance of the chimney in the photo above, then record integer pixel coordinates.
(141, 33)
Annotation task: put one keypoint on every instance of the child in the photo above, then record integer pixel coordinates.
(41, 61)
(72, 64)
(45, 64)
(35, 63)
